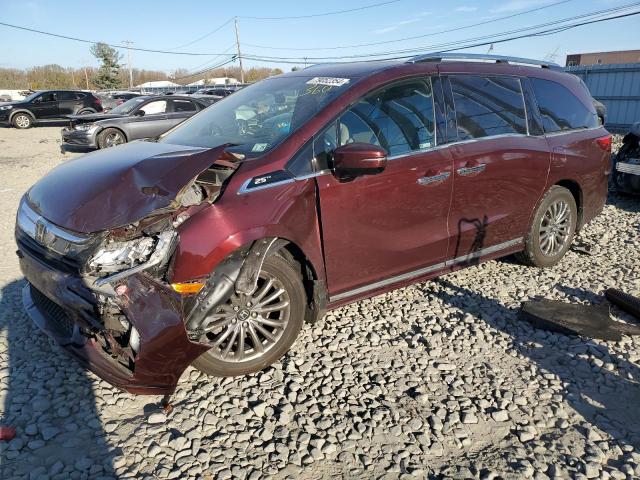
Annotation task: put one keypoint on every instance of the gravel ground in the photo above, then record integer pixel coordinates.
(435, 380)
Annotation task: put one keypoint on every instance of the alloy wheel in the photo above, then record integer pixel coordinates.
(555, 227)
(248, 326)
(23, 121)
(113, 139)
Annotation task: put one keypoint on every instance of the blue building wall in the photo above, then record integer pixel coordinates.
(618, 88)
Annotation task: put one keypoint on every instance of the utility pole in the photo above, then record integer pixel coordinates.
(73, 78)
(128, 43)
(86, 77)
(239, 54)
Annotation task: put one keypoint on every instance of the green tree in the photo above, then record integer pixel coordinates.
(108, 76)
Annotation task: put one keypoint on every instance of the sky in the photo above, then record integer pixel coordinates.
(180, 26)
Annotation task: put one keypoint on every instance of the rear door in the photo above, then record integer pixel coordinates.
(69, 102)
(380, 229)
(45, 106)
(154, 122)
(181, 109)
(500, 166)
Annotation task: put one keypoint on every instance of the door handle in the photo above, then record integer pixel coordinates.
(471, 170)
(433, 178)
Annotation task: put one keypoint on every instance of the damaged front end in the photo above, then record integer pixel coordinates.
(106, 295)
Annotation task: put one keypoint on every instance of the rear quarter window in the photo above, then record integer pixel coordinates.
(560, 109)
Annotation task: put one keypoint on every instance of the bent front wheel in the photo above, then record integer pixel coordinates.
(250, 332)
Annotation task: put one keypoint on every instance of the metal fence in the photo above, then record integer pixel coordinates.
(618, 88)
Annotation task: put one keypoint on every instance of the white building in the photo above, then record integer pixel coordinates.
(214, 82)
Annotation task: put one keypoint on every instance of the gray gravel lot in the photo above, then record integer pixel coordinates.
(435, 380)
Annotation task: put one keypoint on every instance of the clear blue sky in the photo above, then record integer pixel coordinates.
(166, 25)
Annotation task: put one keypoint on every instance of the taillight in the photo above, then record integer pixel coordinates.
(98, 101)
(604, 143)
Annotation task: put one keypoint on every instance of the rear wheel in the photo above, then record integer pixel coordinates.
(250, 332)
(22, 120)
(553, 228)
(111, 137)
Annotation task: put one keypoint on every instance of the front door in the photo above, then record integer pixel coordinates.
(154, 121)
(500, 170)
(378, 229)
(45, 106)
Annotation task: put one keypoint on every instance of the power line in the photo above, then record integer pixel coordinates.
(436, 46)
(148, 50)
(205, 35)
(325, 14)
(233, 45)
(440, 32)
(209, 69)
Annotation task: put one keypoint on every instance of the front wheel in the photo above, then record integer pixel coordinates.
(111, 137)
(22, 121)
(553, 228)
(250, 332)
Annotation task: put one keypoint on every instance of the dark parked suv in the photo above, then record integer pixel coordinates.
(298, 194)
(48, 105)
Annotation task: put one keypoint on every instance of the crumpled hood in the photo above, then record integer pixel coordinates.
(117, 186)
(93, 117)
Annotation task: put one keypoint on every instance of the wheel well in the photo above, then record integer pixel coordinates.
(314, 288)
(15, 112)
(576, 191)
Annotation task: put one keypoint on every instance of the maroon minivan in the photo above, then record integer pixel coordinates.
(214, 243)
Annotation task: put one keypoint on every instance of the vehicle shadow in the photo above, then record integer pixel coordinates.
(606, 399)
(76, 149)
(49, 400)
(624, 201)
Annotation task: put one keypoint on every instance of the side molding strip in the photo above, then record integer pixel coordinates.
(426, 270)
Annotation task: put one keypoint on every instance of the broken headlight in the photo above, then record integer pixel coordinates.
(117, 256)
(119, 259)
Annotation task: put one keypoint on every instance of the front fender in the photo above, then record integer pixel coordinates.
(288, 212)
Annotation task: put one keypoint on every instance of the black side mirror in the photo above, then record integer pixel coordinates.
(139, 113)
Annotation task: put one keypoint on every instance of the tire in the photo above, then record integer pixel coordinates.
(22, 120)
(111, 137)
(284, 276)
(85, 112)
(549, 223)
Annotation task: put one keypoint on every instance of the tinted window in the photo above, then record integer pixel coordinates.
(560, 109)
(66, 96)
(47, 97)
(183, 106)
(398, 118)
(487, 106)
(80, 96)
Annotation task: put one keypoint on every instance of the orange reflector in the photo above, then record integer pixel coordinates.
(187, 288)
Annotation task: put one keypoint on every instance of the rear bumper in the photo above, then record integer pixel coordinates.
(82, 138)
(61, 305)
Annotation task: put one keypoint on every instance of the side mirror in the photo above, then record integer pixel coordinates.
(355, 159)
(139, 113)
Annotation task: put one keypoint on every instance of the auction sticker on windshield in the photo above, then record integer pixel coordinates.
(329, 81)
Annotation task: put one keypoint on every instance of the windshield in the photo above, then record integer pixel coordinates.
(129, 105)
(258, 117)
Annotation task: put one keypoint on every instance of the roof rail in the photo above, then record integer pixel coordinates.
(437, 57)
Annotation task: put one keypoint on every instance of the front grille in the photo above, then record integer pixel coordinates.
(53, 312)
(46, 256)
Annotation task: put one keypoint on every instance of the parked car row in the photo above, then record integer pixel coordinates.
(214, 244)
